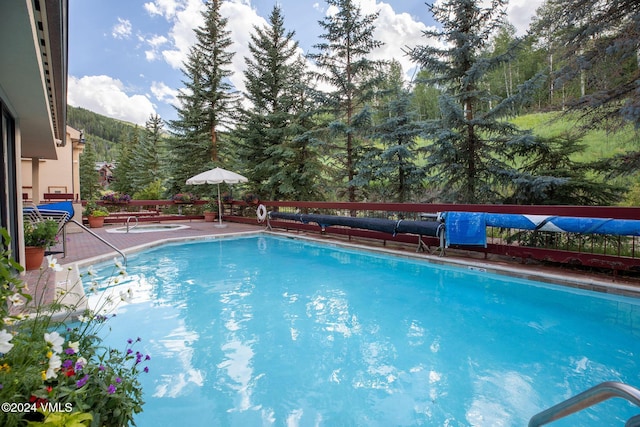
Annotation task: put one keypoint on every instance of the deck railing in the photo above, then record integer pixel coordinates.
(615, 253)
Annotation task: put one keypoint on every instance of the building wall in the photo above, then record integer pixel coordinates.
(33, 88)
(55, 176)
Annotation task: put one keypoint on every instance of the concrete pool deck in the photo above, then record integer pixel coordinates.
(83, 249)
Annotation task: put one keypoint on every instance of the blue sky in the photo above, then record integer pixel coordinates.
(125, 55)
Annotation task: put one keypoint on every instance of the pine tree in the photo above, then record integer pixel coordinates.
(551, 176)
(89, 178)
(351, 75)
(148, 154)
(601, 37)
(273, 78)
(389, 169)
(600, 54)
(208, 100)
(471, 142)
(190, 143)
(398, 134)
(126, 164)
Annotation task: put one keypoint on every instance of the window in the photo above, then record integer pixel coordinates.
(8, 188)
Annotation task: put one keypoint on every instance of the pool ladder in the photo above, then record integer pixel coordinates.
(594, 395)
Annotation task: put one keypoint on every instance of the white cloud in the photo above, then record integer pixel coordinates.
(155, 44)
(164, 93)
(108, 96)
(520, 13)
(188, 16)
(184, 16)
(122, 30)
(166, 8)
(241, 20)
(398, 31)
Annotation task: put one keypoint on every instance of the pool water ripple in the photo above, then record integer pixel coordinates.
(269, 331)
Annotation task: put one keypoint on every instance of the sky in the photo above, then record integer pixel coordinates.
(125, 56)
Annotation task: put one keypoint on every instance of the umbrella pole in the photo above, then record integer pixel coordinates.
(219, 207)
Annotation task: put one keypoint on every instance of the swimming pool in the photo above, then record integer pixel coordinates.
(264, 330)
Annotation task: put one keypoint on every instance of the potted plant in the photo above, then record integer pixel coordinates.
(115, 198)
(38, 236)
(252, 199)
(210, 210)
(184, 198)
(95, 214)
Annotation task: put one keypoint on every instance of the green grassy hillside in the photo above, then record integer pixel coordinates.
(600, 144)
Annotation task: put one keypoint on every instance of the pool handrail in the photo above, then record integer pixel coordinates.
(129, 218)
(588, 398)
(124, 257)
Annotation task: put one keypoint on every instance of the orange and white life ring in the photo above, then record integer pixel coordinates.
(261, 213)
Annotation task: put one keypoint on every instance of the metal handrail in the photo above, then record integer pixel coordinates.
(587, 398)
(129, 220)
(124, 257)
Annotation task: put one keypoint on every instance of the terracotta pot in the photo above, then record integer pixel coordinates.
(96, 221)
(209, 216)
(33, 256)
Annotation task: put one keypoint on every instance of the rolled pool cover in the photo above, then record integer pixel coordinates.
(423, 228)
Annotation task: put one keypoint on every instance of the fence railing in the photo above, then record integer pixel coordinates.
(611, 252)
(616, 253)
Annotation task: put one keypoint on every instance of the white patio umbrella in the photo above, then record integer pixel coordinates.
(217, 176)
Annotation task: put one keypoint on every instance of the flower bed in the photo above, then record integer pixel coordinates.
(54, 369)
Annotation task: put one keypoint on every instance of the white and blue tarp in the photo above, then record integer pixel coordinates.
(469, 228)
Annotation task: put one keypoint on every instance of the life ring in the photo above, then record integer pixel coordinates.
(261, 213)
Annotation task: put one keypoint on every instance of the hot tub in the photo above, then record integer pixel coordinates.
(148, 228)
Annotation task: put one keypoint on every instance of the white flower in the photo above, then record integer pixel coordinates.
(91, 271)
(5, 345)
(53, 263)
(17, 300)
(74, 346)
(123, 270)
(126, 296)
(54, 365)
(81, 362)
(55, 341)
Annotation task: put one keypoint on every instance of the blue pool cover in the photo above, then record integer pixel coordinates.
(469, 228)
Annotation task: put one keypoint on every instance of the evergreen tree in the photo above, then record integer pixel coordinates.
(273, 79)
(351, 75)
(425, 97)
(602, 41)
(148, 154)
(126, 165)
(89, 178)
(471, 142)
(207, 102)
(190, 143)
(398, 164)
(389, 169)
(601, 55)
(551, 176)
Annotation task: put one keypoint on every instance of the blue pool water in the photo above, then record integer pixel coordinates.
(267, 331)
